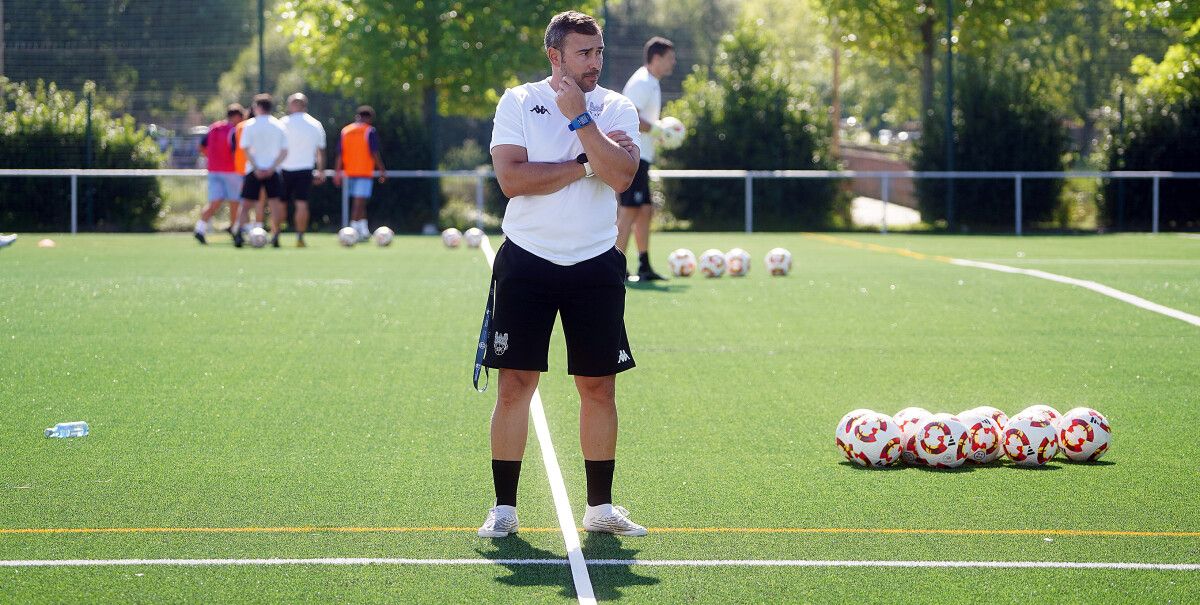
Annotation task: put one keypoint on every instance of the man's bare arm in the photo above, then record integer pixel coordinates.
(518, 176)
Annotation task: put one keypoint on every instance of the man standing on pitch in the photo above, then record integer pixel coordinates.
(306, 144)
(636, 208)
(265, 142)
(360, 161)
(560, 171)
(224, 182)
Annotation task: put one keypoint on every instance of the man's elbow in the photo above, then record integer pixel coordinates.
(507, 187)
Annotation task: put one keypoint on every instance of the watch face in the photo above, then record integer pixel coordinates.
(581, 158)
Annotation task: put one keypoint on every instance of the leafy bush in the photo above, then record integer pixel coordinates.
(44, 127)
(1001, 123)
(749, 116)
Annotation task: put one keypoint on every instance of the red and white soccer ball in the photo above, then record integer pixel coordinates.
(712, 263)
(452, 237)
(941, 442)
(383, 236)
(473, 237)
(907, 420)
(870, 439)
(983, 437)
(682, 263)
(1042, 409)
(737, 262)
(842, 431)
(997, 416)
(1030, 439)
(1083, 434)
(672, 134)
(779, 262)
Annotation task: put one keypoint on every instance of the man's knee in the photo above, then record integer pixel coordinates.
(597, 390)
(516, 386)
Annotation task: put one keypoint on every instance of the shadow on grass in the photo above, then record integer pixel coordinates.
(656, 286)
(608, 580)
(859, 467)
(1070, 462)
(525, 575)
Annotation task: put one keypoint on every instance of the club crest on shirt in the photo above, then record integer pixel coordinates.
(500, 343)
(595, 107)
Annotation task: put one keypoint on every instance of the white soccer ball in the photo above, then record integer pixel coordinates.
(941, 442)
(983, 437)
(1083, 434)
(672, 134)
(873, 440)
(474, 237)
(841, 432)
(712, 263)
(1042, 409)
(907, 420)
(383, 236)
(1030, 440)
(779, 261)
(737, 262)
(682, 262)
(258, 237)
(451, 237)
(997, 416)
(348, 236)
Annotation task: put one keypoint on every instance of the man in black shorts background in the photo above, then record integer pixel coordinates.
(561, 172)
(636, 207)
(265, 142)
(306, 150)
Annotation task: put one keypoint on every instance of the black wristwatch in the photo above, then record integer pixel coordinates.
(587, 168)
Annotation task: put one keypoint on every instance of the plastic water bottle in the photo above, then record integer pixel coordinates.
(63, 430)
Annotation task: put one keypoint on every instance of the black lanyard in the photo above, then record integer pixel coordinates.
(483, 340)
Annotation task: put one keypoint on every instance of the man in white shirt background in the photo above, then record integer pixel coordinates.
(265, 142)
(560, 169)
(636, 208)
(306, 150)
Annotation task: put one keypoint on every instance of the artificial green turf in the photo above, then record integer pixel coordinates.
(328, 386)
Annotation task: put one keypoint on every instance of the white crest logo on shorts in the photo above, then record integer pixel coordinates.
(501, 343)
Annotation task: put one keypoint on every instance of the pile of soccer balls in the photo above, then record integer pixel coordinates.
(979, 435)
(736, 262)
(453, 237)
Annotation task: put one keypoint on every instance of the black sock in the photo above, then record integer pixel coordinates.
(599, 481)
(505, 474)
(644, 261)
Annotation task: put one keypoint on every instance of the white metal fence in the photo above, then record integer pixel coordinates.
(748, 176)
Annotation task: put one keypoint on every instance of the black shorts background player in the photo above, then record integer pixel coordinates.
(636, 208)
(554, 160)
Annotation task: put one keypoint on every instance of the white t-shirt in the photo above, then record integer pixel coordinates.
(576, 222)
(643, 89)
(305, 135)
(263, 138)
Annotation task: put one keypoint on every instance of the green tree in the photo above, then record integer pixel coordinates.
(750, 115)
(45, 127)
(448, 58)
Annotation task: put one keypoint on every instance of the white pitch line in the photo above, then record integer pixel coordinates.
(1092, 565)
(1097, 287)
(562, 506)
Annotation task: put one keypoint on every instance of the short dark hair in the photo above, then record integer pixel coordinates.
(263, 101)
(567, 23)
(656, 46)
(365, 111)
(235, 109)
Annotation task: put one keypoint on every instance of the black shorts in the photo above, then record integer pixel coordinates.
(531, 291)
(638, 193)
(251, 185)
(296, 185)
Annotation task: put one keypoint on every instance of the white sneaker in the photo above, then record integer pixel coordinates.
(6, 240)
(501, 521)
(610, 519)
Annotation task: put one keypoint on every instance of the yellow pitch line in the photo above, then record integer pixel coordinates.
(688, 530)
(876, 247)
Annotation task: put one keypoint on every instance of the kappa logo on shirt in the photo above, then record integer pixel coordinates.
(540, 110)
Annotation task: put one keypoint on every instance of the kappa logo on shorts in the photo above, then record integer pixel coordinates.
(622, 356)
(540, 110)
(501, 343)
